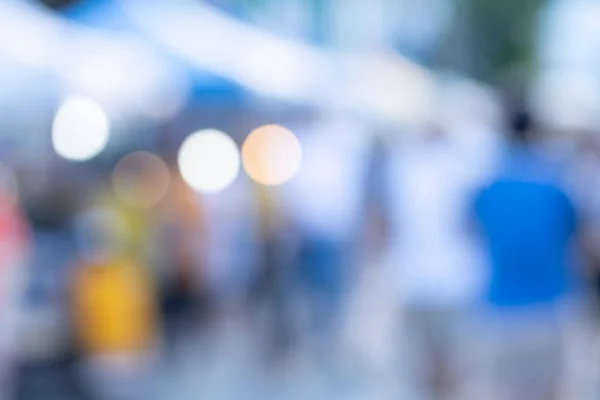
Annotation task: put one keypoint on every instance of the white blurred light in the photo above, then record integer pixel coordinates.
(263, 62)
(125, 74)
(209, 161)
(80, 130)
(120, 70)
(29, 36)
(387, 88)
(271, 155)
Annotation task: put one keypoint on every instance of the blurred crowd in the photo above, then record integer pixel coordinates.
(300, 199)
(457, 260)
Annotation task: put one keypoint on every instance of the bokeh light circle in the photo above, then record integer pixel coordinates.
(141, 179)
(80, 130)
(271, 155)
(209, 161)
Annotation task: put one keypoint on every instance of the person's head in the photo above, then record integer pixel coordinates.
(522, 129)
(100, 234)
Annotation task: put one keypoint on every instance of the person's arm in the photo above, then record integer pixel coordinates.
(584, 240)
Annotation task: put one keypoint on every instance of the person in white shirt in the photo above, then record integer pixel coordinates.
(436, 268)
(326, 201)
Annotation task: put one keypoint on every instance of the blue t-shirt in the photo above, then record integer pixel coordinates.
(528, 222)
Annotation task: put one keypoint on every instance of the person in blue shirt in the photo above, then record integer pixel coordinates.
(528, 224)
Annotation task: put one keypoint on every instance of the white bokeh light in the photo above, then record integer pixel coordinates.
(209, 161)
(80, 130)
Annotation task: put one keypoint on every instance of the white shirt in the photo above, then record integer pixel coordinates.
(434, 258)
(230, 224)
(326, 196)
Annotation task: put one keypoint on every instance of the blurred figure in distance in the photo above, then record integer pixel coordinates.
(113, 310)
(528, 223)
(273, 281)
(182, 286)
(435, 262)
(327, 200)
(15, 244)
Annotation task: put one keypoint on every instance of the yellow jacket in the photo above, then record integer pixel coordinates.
(113, 308)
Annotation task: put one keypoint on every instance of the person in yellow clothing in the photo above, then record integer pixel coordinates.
(130, 228)
(113, 308)
(113, 311)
